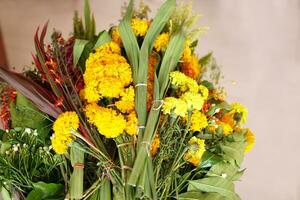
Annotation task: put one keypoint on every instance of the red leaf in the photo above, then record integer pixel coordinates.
(38, 95)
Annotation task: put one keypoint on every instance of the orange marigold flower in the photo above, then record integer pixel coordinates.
(155, 145)
(151, 71)
(192, 68)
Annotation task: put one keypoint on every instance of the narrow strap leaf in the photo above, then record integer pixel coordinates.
(129, 40)
(170, 60)
(103, 38)
(78, 50)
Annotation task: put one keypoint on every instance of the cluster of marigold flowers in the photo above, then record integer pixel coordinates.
(109, 97)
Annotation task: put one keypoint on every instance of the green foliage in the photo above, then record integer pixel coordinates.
(218, 185)
(88, 30)
(25, 114)
(201, 196)
(46, 191)
(27, 159)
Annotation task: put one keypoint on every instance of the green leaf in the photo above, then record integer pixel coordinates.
(233, 151)
(209, 159)
(78, 50)
(201, 196)
(221, 106)
(170, 60)
(218, 185)
(156, 27)
(4, 194)
(25, 114)
(46, 191)
(76, 180)
(103, 38)
(206, 59)
(226, 170)
(129, 40)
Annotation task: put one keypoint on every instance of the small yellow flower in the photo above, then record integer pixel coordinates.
(238, 108)
(131, 124)
(62, 131)
(204, 91)
(227, 129)
(162, 41)
(183, 82)
(175, 106)
(115, 35)
(140, 27)
(198, 121)
(110, 47)
(193, 100)
(195, 152)
(187, 52)
(250, 138)
(126, 104)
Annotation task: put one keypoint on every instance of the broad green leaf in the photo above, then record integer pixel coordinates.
(201, 196)
(25, 114)
(45, 191)
(218, 185)
(4, 194)
(103, 38)
(226, 170)
(209, 159)
(78, 50)
(233, 151)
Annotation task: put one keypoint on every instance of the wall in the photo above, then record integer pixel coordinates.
(257, 43)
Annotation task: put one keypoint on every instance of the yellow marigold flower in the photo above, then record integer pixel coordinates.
(193, 100)
(195, 152)
(62, 136)
(183, 82)
(191, 68)
(107, 73)
(115, 35)
(126, 104)
(227, 129)
(250, 138)
(108, 122)
(204, 91)
(175, 106)
(198, 121)
(139, 27)
(187, 52)
(110, 47)
(131, 124)
(155, 145)
(162, 41)
(238, 108)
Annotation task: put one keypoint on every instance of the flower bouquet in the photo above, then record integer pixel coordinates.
(128, 113)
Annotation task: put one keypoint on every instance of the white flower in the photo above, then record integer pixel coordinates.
(35, 133)
(15, 148)
(28, 131)
(24, 145)
(6, 152)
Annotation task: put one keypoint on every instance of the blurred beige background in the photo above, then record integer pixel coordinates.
(257, 42)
